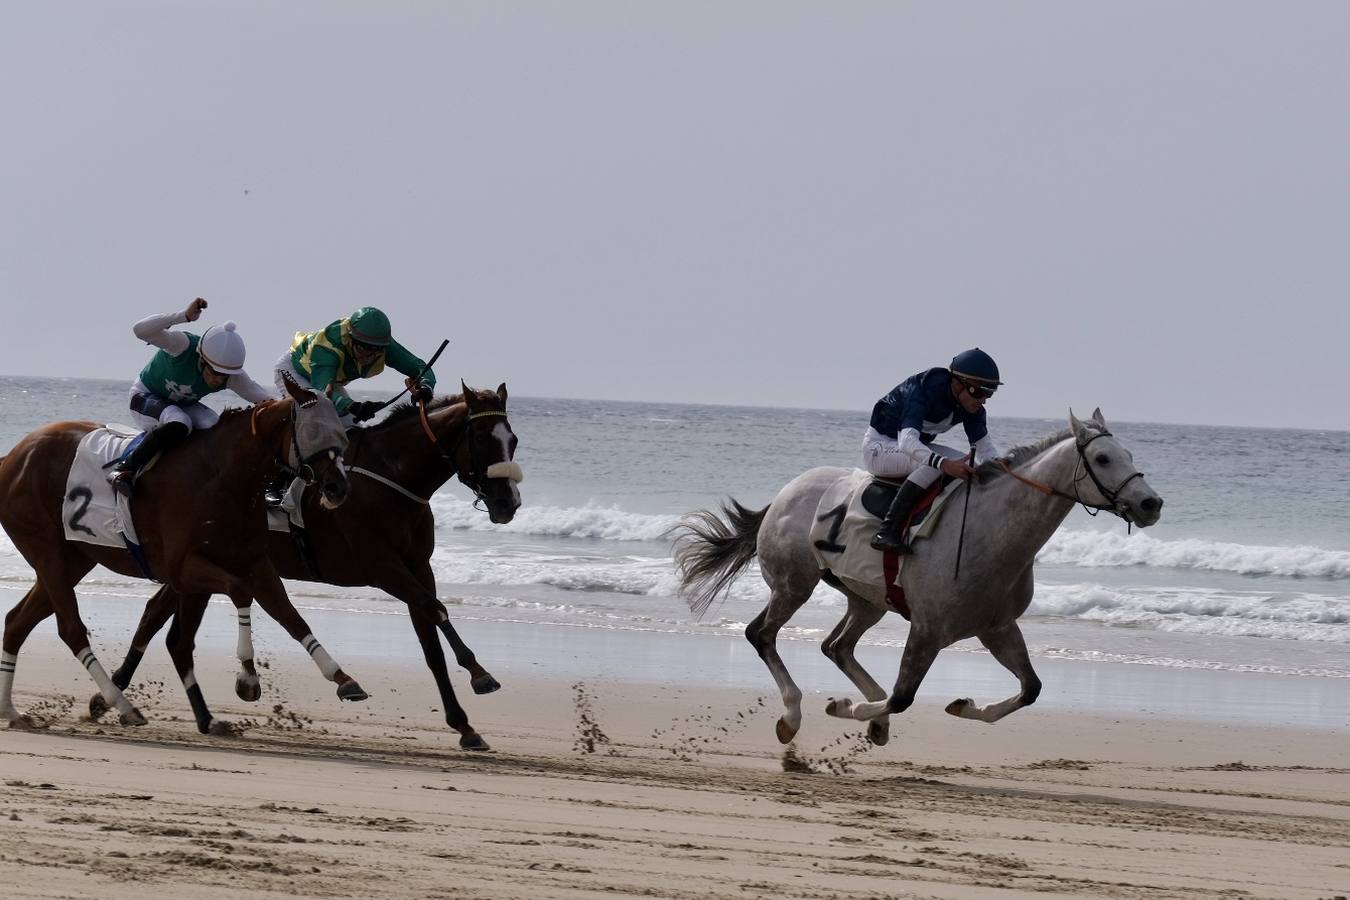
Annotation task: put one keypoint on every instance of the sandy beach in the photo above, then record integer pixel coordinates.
(614, 786)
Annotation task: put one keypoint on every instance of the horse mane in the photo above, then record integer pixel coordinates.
(1024, 453)
(408, 410)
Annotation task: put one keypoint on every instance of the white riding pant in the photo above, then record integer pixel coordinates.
(881, 455)
(195, 415)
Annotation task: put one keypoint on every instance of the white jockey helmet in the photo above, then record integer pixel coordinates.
(223, 349)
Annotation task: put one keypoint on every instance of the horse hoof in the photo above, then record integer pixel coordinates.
(958, 707)
(97, 707)
(24, 722)
(485, 684)
(879, 733)
(221, 728)
(248, 690)
(132, 718)
(204, 726)
(473, 741)
(350, 690)
(840, 708)
(785, 731)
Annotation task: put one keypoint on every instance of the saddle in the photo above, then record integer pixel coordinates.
(876, 498)
(849, 512)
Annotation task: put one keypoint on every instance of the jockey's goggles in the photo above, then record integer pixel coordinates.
(978, 391)
(366, 348)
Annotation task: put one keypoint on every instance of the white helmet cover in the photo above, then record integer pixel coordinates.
(223, 349)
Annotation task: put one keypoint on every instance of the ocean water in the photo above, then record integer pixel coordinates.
(1249, 569)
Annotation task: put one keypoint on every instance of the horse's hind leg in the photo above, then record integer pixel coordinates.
(59, 597)
(920, 651)
(19, 623)
(762, 633)
(839, 647)
(1009, 648)
(158, 610)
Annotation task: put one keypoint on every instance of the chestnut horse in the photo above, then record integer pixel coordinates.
(200, 518)
(382, 537)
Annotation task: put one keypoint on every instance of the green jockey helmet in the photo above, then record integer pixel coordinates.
(370, 326)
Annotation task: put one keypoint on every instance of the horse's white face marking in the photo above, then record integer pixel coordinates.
(503, 436)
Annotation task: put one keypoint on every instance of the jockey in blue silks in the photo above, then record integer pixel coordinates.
(899, 441)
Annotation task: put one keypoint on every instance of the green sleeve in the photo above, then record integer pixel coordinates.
(323, 368)
(400, 360)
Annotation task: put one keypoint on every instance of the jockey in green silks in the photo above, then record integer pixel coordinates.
(359, 346)
(165, 399)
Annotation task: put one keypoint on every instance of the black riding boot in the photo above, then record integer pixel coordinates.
(889, 536)
(276, 489)
(123, 475)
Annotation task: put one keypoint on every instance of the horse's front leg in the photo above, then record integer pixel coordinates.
(266, 587)
(1010, 649)
(455, 716)
(839, 647)
(920, 651)
(416, 586)
(247, 684)
(182, 642)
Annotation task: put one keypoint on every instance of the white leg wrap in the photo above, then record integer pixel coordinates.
(111, 694)
(7, 664)
(320, 657)
(245, 648)
(190, 679)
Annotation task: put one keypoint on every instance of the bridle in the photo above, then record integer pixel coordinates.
(1102, 489)
(304, 468)
(477, 474)
(1092, 509)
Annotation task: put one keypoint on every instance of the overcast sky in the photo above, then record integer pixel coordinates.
(1142, 206)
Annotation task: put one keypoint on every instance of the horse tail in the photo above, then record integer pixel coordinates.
(710, 552)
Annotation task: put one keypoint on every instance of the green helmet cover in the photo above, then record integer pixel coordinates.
(370, 326)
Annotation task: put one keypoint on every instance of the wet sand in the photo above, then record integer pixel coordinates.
(614, 786)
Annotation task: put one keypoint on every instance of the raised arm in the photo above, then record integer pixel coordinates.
(154, 330)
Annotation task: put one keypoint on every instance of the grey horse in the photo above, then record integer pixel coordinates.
(1012, 513)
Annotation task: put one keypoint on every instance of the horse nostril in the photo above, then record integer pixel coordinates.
(1149, 504)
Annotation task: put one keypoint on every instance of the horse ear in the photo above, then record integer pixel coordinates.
(1097, 417)
(501, 393)
(1077, 426)
(305, 398)
(470, 399)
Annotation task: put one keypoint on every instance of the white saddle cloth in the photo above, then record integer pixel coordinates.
(280, 518)
(91, 511)
(841, 535)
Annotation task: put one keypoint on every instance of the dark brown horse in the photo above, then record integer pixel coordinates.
(199, 516)
(382, 537)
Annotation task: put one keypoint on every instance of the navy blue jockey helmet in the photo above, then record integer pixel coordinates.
(975, 365)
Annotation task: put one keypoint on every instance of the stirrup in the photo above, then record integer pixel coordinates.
(889, 542)
(123, 482)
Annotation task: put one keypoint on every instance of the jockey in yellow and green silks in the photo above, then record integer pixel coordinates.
(359, 346)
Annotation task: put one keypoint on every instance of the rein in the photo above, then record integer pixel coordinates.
(1091, 508)
(473, 482)
(305, 470)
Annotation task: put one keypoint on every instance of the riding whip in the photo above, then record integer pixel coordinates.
(961, 541)
(427, 368)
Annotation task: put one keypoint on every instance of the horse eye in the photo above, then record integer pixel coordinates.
(1103, 459)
